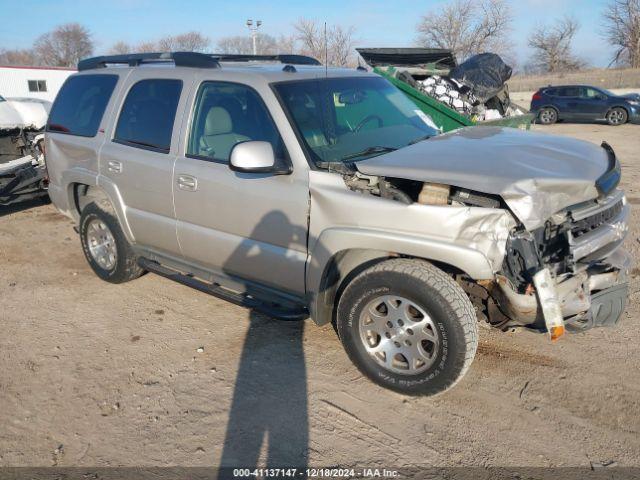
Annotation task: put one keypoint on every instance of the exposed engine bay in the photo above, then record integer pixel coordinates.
(578, 248)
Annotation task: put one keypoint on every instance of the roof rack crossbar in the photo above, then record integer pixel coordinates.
(291, 59)
(180, 59)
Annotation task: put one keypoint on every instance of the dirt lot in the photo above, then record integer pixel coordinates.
(153, 373)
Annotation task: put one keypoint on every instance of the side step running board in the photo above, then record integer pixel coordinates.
(275, 311)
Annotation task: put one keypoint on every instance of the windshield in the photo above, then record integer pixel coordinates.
(350, 119)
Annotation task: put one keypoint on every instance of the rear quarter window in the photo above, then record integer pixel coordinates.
(569, 92)
(147, 115)
(80, 105)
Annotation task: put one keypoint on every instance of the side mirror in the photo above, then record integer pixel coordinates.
(254, 157)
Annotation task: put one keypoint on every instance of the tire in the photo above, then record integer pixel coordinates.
(101, 235)
(617, 116)
(440, 316)
(548, 116)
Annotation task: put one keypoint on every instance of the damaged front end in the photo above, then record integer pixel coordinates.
(23, 174)
(580, 248)
(568, 272)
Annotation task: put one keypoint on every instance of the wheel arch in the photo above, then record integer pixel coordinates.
(330, 270)
(623, 107)
(81, 194)
(551, 106)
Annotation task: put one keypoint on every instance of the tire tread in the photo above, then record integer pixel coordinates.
(450, 291)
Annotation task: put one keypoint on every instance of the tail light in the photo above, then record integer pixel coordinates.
(537, 96)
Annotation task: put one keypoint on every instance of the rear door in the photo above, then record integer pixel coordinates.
(247, 226)
(568, 102)
(141, 152)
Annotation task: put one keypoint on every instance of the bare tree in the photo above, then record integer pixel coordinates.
(120, 48)
(64, 46)
(286, 44)
(311, 36)
(237, 44)
(622, 30)
(338, 43)
(18, 57)
(188, 42)
(265, 45)
(468, 27)
(552, 46)
(144, 47)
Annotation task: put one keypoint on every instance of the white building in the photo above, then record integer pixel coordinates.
(32, 82)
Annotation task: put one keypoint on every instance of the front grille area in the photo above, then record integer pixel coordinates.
(595, 221)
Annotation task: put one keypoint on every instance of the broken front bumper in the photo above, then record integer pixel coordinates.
(595, 297)
(594, 294)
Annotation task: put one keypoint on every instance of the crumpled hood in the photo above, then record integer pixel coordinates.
(536, 174)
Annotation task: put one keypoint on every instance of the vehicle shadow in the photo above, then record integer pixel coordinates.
(270, 398)
(269, 405)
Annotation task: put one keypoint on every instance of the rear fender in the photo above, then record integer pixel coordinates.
(81, 193)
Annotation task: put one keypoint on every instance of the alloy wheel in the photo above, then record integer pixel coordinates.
(399, 335)
(102, 244)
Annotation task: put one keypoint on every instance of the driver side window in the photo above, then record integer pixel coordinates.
(226, 114)
(592, 93)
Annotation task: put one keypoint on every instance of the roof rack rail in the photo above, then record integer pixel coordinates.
(181, 59)
(287, 58)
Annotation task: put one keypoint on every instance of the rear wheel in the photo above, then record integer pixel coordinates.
(617, 116)
(548, 116)
(106, 248)
(408, 326)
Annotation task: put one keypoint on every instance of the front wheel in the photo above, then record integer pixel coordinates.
(617, 116)
(408, 326)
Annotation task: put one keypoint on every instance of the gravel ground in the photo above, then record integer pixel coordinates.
(152, 373)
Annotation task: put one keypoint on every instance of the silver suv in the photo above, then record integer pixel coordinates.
(300, 191)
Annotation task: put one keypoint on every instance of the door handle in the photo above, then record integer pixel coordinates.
(187, 183)
(114, 167)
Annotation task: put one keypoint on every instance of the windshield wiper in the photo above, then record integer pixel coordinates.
(369, 151)
(420, 139)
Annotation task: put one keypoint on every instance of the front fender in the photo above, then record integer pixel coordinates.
(372, 244)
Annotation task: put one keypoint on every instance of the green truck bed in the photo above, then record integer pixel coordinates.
(443, 116)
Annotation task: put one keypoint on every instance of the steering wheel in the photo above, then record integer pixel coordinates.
(366, 120)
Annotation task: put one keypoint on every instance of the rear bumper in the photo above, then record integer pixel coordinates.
(60, 199)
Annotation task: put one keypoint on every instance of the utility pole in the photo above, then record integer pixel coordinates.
(253, 28)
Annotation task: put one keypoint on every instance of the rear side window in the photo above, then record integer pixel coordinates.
(550, 91)
(80, 105)
(147, 116)
(569, 92)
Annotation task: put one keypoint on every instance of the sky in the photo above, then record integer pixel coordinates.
(378, 23)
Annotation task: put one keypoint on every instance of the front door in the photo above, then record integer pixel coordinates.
(249, 226)
(593, 104)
